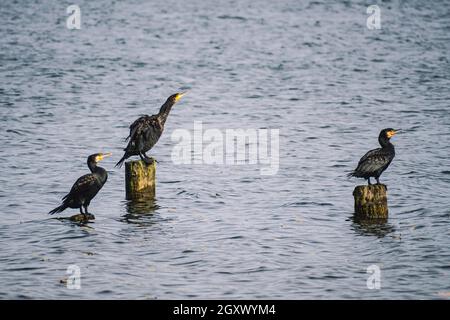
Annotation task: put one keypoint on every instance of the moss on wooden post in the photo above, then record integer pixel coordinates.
(140, 179)
(371, 201)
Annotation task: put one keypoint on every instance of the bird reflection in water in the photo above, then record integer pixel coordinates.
(373, 227)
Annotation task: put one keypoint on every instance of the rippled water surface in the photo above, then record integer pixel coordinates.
(311, 69)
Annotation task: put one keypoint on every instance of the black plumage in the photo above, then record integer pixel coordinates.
(374, 162)
(86, 187)
(146, 131)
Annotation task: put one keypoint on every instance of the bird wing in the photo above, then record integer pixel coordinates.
(368, 155)
(373, 161)
(82, 186)
(134, 127)
(141, 129)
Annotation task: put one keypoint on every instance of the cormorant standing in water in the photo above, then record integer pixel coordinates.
(374, 162)
(145, 131)
(86, 187)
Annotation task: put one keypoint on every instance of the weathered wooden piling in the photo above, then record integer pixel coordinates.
(82, 217)
(140, 180)
(371, 201)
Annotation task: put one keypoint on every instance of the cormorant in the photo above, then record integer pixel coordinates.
(374, 162)
(86, 187)
(146, 131)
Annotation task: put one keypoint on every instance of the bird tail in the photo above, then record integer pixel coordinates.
(121, 161)
(351, 174)
(60, 208)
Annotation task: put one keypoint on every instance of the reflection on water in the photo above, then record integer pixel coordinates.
(140, 210)
(373, 227)
(143, 205)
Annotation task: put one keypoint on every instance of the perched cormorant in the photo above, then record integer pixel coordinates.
(145, 131)
(86, 187)
(374, 162)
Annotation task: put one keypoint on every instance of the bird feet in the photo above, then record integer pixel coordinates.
(380, 184)
(148, 160)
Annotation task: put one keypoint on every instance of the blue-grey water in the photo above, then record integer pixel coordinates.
(311, 69)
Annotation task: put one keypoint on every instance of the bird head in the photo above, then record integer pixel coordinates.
(389, 132)
(97, 157)
(175, 97)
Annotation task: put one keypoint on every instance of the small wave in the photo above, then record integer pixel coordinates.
(228, 17)
(14, 131)
(307, 203)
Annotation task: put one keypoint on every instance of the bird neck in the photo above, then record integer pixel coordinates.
(94, 168)
(92, 165)
(385, 142)
(98, 171)
(165, 110)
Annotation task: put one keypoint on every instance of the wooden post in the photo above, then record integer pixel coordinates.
(140, 179)
(371, 201)
(82, 218)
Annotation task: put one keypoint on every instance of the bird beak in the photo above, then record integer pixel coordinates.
(179, 95)
(104, 155)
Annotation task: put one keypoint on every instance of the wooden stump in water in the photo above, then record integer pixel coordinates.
(371, 201)
(140, 179)
(82, 218)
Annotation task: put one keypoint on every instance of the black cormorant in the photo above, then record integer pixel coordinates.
(374, 162)
(86, 187)
(146, 131)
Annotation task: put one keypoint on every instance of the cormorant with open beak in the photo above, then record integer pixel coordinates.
(146, 131)
(86, 187)
(374, 162)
